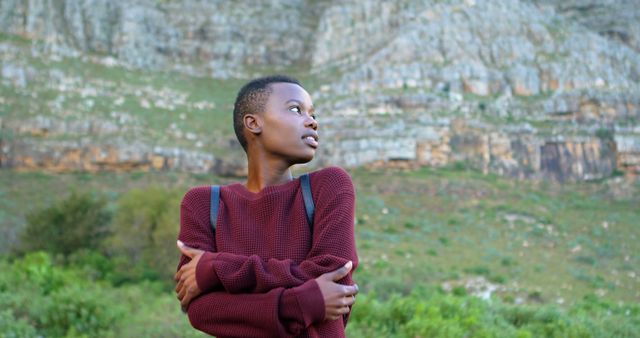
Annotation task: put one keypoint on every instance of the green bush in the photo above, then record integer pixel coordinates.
(41, 299)
(143, 244)
(78, 221)
(80, 309)
(72, 305)
(12, 327)
(432, 313)
(94, 265)
(52, 301)
(35, 273)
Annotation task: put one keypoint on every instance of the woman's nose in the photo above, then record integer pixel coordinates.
(311, 122)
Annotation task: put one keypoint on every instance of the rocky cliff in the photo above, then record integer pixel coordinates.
(509, 86)
(529, 89)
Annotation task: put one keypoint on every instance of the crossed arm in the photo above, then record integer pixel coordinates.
(293, 309)
(279, 285)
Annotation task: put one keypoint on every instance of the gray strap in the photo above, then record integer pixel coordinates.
(308, 199)
(215, 204)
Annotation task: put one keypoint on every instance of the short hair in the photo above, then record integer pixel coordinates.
(252, 98)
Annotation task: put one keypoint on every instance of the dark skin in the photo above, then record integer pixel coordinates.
(284, 134)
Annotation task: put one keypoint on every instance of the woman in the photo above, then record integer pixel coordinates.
(266, 270)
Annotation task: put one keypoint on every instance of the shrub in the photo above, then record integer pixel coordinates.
(94, 265)
(11, 327)
(605, 134)
(40, 299)
(145, 228)
(430, 313)
(70, 306)
(81, 309)
(79, 221)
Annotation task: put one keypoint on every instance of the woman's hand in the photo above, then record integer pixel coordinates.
(337, 297)
(187, 288)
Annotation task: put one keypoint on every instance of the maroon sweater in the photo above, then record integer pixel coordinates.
(258, 276)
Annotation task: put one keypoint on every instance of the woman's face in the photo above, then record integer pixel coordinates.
(289, 127)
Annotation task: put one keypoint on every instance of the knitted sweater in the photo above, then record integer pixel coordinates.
(258, 276)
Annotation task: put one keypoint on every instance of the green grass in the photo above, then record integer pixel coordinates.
(428, 227)
(526, 236)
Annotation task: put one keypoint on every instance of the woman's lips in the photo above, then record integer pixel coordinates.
(309, 140)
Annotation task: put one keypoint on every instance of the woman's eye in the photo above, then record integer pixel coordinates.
(296, 109)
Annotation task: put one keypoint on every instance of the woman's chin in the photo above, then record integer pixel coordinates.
(305, 158)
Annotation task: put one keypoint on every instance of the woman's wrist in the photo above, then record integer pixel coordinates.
(206, 276)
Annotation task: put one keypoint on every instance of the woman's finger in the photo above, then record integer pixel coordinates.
(338, 312)
(181, 293)
(344, 310)
(187, 251)
(349, 290)
(179, 286)
(350, 300)
(186, 300)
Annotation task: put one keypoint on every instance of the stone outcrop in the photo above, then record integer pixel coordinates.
(215, 38)
(482, 48)
(74, 155)
(529, 88)
(517, 151)
(616, 19)
(628, 149)
(558, 95)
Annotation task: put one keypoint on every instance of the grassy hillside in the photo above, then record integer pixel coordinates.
(532, 242)
(535, 242)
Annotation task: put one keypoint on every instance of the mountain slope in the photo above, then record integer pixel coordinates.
(529, 89)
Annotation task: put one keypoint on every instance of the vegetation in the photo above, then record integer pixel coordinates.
(39, 297)
(549, 260)
(56, 301)
(144, 233)
(432, 313)
(77, 222)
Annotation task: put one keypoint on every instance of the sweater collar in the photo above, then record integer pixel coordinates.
(240, 189)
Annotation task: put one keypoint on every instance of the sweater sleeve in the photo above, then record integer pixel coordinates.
(220, 313)
(268, 314)
(333, 246)
(194, 232)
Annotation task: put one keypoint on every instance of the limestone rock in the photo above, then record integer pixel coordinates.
(617, 19)
(529, 89)
(78, 155)
(219, 37)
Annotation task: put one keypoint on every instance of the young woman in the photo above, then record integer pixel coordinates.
(266, 270)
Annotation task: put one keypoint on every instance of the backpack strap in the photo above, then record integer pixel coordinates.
(308, 199)
(215, 204)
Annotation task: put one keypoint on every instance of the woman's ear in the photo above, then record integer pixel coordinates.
(253, 123)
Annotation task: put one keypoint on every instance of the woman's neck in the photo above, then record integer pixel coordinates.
(264, 172)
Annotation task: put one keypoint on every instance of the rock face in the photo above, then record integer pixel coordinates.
(559, 97)
(210, 37)
(616, 19)
(517, 152)
(75, 156)
(484, 48)
(530, 89)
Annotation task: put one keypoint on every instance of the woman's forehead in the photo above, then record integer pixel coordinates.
(283, 92)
